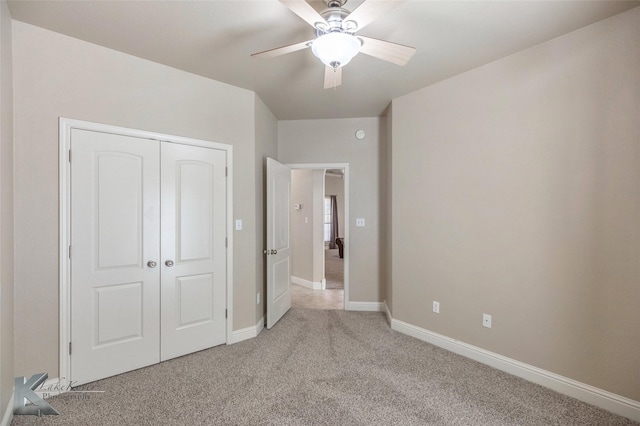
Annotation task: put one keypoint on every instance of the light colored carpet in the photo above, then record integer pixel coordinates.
(318, 367)
(333, 269)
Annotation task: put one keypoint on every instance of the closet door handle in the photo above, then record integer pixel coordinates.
(151, 264)
(169, 263)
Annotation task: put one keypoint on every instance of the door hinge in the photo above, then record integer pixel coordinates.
(225, 314)
(226, 242)
(69, 348)
(69, 155)
(226, 171)
(69, 252)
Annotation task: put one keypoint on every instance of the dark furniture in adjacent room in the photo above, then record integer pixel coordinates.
(340, 243)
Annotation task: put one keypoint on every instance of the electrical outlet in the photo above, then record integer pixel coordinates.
(486, 320)
(436, 307)
(360, 221)
(258, 298)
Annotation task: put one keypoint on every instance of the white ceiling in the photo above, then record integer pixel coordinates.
(215, 38)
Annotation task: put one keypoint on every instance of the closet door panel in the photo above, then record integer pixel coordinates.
(193, 193)
(115, 228)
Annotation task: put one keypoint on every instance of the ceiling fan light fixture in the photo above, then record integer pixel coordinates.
(336, 49)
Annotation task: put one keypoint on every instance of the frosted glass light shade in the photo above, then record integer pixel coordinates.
(336, 49)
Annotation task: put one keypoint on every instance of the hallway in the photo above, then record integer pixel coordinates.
(302, 297)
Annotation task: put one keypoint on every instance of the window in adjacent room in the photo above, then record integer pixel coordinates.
(327, 219)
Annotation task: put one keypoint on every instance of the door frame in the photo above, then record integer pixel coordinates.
(345, 167)
(64, 217)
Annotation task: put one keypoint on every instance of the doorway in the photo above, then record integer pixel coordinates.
(334, 241)
(320, 277)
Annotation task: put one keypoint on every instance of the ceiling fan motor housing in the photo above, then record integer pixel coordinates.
(335, 3)
(335, 17)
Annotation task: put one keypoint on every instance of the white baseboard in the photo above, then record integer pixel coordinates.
(7, 417)
(365, 306)
(259, 326)
(387, 312)
(246, 333)
(600, 398)
(306, 283)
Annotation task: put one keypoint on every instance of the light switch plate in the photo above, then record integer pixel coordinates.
(238, 224)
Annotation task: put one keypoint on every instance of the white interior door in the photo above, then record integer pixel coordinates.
(193, 249)
(115, 229)
(278, 247)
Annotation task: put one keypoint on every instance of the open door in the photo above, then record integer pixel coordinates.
(277, 247)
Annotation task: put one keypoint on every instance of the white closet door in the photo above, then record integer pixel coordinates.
(193, 249)
(115, 228)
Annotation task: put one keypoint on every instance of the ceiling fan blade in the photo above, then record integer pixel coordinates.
(370, 10)
(398, 54)
(332, 77)
(282, 50)
(305, 11)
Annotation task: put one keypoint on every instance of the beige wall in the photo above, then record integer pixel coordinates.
(516, 192)
(318, 226)
(307, 225)
(58, 76)
(333, 141)
(266, 146)
(301, 229)
(6, 211)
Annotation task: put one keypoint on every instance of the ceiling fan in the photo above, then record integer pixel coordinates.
(336, 41)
